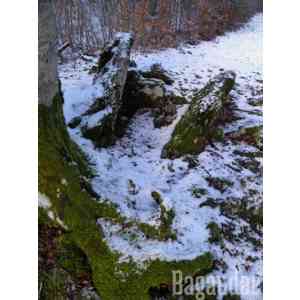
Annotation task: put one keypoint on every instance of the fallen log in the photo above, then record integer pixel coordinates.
(63, 47)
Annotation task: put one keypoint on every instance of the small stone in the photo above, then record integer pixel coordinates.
(132, 64)
(75, 122)
(132, 188)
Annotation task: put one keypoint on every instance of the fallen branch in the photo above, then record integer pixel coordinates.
(63, 48)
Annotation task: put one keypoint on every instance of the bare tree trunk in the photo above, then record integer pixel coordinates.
(48, 82)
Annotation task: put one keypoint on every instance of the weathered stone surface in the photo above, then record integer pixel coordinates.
(198, 126)
(48, 83)
(141, 92)
(111, 76)
(152, 93)
(165, 113)
(158, 72)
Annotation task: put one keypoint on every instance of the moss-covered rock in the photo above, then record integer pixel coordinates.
(198, 126)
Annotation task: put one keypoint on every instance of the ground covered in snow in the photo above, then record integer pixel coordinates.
(216, 196)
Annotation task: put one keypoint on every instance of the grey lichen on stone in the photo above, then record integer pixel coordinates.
(111, 76)
(199, 125)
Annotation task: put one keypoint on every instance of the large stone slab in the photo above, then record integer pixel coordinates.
(111, 77)
(198, 126)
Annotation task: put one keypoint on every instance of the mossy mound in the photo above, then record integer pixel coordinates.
(64, 179)
(198, 126)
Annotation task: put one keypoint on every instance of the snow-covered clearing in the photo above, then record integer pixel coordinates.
(136, 157)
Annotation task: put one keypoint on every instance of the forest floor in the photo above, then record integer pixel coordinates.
(216, 196)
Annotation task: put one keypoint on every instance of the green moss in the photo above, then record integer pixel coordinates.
(157, 197)
(250, 164)
(253, 215)
(43, 218)
(219, 135)
(251, 155)
(166, 218)
(62, 171)
(198, 126)
(149, 231)
(60, 158)
(177, 100)
(215, 231)
(255, 135)
(53, 284)
(232, 297)
(160, 272)
(198, 192)
(250, 135)
(62, 265)
(220, 184)
(72, 259)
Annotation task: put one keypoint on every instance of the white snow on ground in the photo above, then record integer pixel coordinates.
(44, 201)
(238, 51)
(136, 157)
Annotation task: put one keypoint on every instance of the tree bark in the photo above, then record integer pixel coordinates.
(48, 79)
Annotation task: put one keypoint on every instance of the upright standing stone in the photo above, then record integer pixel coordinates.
(110, 78)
